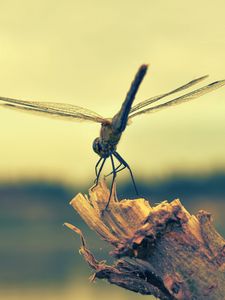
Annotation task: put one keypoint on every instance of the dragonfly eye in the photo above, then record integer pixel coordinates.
(97, 146)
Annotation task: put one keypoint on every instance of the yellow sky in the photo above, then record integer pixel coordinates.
(86, 53)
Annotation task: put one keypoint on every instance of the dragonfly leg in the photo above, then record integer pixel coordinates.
(121, 160)
(117, 169)
(96, 166)
(99, 172)
(113, 180)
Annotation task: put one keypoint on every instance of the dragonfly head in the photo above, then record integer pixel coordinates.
(102, 149)
(97, 147)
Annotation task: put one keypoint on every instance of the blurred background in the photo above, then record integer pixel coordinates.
(86, 53)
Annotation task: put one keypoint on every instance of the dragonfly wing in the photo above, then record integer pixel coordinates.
(187, 97)
(51, 109)
(159, 97)
(43, 113)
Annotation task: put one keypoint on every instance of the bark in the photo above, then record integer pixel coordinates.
(162, 251)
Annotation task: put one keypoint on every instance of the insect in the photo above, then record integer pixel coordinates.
(112, 128)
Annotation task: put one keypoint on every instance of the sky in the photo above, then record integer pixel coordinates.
(86, 53)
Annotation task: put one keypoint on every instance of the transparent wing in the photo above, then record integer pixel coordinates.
(47, 114)
(51, 109)
(187, 97)
(159, 97)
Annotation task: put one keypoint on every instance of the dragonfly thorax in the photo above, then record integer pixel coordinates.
(102, 148)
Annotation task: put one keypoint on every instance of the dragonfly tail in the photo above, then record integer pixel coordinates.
(119, 121)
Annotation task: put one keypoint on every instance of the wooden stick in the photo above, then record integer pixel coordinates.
(162, 251)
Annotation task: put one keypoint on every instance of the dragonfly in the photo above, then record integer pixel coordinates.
(112, 128)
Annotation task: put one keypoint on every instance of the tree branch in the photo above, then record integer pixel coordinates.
(162, 251)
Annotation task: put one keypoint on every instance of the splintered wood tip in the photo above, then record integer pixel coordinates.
(120, 220)
(126, 220)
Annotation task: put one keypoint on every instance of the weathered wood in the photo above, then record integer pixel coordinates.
(162, 251)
